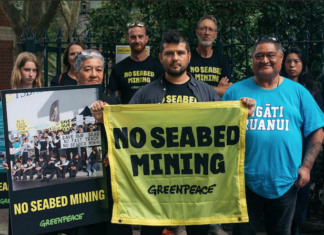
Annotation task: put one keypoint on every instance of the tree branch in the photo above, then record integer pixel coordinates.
(65, 10)
(17, 22)
(46, 19)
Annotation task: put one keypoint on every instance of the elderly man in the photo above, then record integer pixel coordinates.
(174, 56)
(138, 69)
(285, 112)
(205, 65)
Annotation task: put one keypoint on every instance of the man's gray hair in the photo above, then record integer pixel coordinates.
(84, 55)
(208, 17)
(277, 44)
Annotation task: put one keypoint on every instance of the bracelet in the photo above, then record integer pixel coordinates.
(93, 112)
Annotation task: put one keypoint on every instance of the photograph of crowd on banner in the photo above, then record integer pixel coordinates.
(52, 139)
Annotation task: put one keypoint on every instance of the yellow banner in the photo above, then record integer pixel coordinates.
(65, 125)
(22, 126)
(177, 164)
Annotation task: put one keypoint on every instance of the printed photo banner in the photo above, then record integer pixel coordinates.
(177, 164)
(56, 179)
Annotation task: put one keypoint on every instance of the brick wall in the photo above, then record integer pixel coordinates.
(7, 38)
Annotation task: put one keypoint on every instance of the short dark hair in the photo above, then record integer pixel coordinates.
(41, 157)
(173, 36)
(29, 159)
(63, 156)
(18, 161)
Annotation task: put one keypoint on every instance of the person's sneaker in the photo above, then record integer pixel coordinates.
(94, 174)
(44, 179)
(90, 174)
(216, 230)
(48, 180)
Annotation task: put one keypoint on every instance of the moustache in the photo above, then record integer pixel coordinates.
(175, 64)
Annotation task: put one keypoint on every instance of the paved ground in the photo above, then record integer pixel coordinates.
(320, 231)
(4, 221)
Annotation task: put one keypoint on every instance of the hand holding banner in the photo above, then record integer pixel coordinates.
(177, 164)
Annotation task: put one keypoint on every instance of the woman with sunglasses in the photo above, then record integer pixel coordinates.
(68, 78)
(296, 67)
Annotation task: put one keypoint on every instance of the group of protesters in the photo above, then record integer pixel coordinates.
(48, 156)
(283, 134)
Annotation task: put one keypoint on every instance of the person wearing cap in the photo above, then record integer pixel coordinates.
(285, 113)
(138, 69)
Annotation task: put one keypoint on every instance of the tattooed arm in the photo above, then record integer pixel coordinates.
(314, 144)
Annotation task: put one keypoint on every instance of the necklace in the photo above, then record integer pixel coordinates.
(255, 80)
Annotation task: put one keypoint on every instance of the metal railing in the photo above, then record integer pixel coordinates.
(31, 43)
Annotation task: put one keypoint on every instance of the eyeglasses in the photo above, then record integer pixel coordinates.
(132, 24)
(204, 29)
(267, 37)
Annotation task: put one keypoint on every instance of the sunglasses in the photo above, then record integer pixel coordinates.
(132, 24)
(267, 37)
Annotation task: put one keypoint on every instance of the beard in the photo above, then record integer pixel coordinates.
(175, 73)
(137, 48)
(205, 43)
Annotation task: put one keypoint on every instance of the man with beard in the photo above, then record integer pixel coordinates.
(138, 69)
(181, 87)
(205, 65)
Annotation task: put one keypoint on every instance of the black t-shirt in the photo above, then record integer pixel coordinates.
(178, 93)
(110, 100)
(128, 76)
(66, 80)
(210, 70)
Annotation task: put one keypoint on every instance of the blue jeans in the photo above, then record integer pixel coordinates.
(94, 166)
(278, 213)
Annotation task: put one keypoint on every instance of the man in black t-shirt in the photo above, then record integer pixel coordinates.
(175, 86)
(138, 69)
(205, 65)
